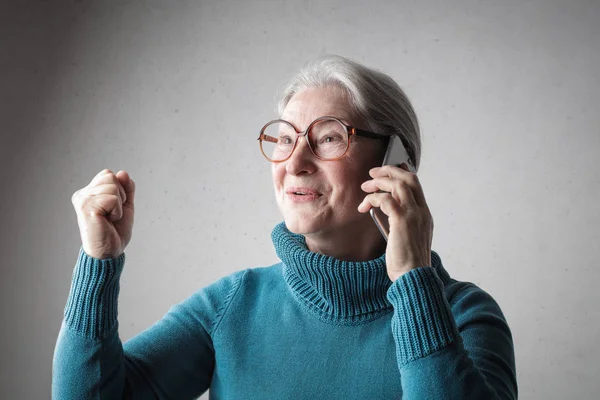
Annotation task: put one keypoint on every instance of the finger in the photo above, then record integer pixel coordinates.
(399, 189)
(109, 178)
(113, 207)
(104, 172)
(99, 176)
(409, 177)
(391, 170)
(107, 205)
(106, 188)
(128, 186)
(383, 201)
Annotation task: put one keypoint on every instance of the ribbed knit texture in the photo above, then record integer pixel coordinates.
(423, 320)
(339, 292)
(352, 293)
(308, 327)
(92, 304)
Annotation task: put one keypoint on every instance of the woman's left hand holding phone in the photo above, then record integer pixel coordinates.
(411, 222)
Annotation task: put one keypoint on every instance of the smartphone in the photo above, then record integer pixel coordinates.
(395, 155)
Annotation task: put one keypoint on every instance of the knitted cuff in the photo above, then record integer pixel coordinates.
(92, 304)
(423, 322)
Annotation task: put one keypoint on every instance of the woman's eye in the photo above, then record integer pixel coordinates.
(330, 139)
(285, 140)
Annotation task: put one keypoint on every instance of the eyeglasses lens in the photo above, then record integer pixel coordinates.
(328, 140)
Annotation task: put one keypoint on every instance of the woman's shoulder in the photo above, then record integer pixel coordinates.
(468, 298)
(247, 278)
(273, 271)
(457, 291)
(211, 302)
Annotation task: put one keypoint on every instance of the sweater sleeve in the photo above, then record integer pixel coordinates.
(460, 349)
(174, 358)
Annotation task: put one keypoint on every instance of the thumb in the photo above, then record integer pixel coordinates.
(128, 185)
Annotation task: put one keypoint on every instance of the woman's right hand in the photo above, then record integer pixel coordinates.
(105, 214)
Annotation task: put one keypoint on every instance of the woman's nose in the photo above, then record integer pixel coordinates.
(301, 159)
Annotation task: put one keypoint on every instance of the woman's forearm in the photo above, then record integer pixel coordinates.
(88, 357)
(452, 350)
(174, 358)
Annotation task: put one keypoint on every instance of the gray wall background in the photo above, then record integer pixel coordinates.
(175, 93)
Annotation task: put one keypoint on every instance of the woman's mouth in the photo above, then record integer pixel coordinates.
(302, 194)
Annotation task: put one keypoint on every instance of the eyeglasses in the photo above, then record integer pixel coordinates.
(328, 138)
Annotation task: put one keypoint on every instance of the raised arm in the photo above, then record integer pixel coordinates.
(174, 358)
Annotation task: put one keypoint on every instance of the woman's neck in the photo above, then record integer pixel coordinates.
(361, 243)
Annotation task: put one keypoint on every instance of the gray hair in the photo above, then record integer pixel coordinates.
(375, 97)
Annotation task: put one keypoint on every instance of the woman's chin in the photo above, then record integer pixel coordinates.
(302, 226)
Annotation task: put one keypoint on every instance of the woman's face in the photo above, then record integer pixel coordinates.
(336, 183)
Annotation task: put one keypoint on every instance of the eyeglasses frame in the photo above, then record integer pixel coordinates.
(350, 131)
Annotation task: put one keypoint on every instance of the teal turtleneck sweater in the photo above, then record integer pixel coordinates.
(309, 327)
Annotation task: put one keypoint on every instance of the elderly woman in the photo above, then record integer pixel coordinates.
(345, 314)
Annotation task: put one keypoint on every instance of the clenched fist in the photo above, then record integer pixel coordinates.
(105, 213)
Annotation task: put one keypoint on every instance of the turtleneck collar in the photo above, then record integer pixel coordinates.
(339, 292)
